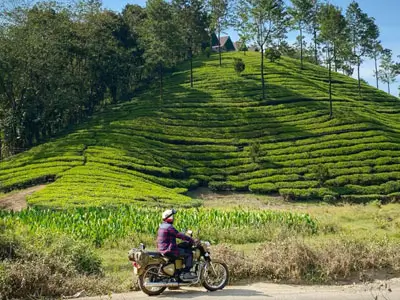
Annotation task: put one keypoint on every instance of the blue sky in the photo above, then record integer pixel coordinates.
(385, 12)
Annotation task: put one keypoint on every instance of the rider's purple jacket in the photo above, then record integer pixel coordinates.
(166, 239)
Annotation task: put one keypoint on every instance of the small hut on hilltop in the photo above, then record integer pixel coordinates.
(225, 41)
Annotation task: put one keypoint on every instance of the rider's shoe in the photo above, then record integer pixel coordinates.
(188, 276)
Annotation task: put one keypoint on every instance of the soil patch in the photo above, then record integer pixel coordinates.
(247, 200)
(16, 200)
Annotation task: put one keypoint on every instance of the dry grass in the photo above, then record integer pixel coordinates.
(296, 260)
(41, 278)
(48, 266)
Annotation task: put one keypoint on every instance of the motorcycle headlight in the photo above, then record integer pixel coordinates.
(207, 245)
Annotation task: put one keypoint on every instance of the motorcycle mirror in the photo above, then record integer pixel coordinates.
(142, 246)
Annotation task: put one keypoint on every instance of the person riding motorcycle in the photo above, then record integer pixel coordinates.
(166, 243)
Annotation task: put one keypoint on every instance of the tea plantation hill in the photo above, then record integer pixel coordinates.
(221, 134)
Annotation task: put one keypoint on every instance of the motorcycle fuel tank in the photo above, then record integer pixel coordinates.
(169, 269)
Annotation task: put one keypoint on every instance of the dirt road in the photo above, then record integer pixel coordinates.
(262, 291)
(16, 201)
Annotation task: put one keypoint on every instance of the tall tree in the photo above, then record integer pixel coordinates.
(363, 33)
(160, 35)
(375, 54)
(314, 26)
(388, 69)
(219, 19)
(57, 63)
(333, 30)
(192, 24)
(135, 16)
(244, 36)
(301, 12)
(266, 21)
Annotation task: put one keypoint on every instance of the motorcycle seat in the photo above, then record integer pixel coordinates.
(154, 254)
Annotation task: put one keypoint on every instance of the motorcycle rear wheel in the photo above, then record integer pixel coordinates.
(150, 274)
(215, 275)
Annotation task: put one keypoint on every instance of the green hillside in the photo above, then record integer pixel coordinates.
(222, 135)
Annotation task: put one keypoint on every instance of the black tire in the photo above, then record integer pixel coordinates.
(150, 272)
(208, 270)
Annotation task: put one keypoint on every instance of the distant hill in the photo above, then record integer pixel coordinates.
(222, 135)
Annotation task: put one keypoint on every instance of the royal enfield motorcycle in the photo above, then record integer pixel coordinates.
(157, 272)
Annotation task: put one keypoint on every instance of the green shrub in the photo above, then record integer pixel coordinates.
(305, 194)
(207, 52)
(238, 65)
(263, 188)
(322, 174)
(272, 54)
(329, 199)
(364, 198)
(219, 186)
(78, 254)
(10, 243)
(255, 152)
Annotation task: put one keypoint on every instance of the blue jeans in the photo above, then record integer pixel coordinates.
(188, 255)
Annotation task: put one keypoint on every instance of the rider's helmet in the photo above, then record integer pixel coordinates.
(168, 215)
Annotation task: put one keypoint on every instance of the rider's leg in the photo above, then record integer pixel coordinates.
(187, 254)
(189, 259)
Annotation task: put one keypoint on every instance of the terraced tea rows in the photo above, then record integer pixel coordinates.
(222, 135)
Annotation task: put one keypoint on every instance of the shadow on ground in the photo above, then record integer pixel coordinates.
(188, 294)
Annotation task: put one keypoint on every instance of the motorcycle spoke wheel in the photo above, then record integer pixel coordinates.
(215, 276)
(149, 275)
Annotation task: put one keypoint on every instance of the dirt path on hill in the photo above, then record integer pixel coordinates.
(16, 201)
(379, 290)
(235, 199)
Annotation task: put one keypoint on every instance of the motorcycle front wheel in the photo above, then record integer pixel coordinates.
(150, 274)
(215, 275)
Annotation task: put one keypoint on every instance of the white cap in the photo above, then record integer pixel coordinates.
(168, 214)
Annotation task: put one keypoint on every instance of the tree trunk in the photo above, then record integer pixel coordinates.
(388, 87)
(330, 84)
(334, 58)
(262, 72)
(219, 46)
(161, 82)
(301, 47)
(359, 78)
(315, 46)
(376, 71)
(191, 67)
(113, 91)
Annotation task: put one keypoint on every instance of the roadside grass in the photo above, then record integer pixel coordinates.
(117, 267)
(46, 265)
(351, 244)
(362, 220)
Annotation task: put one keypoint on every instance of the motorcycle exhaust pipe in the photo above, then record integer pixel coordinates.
(164, 284)
(161, 284)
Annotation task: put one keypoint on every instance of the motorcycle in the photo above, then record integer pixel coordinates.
(157, 272)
